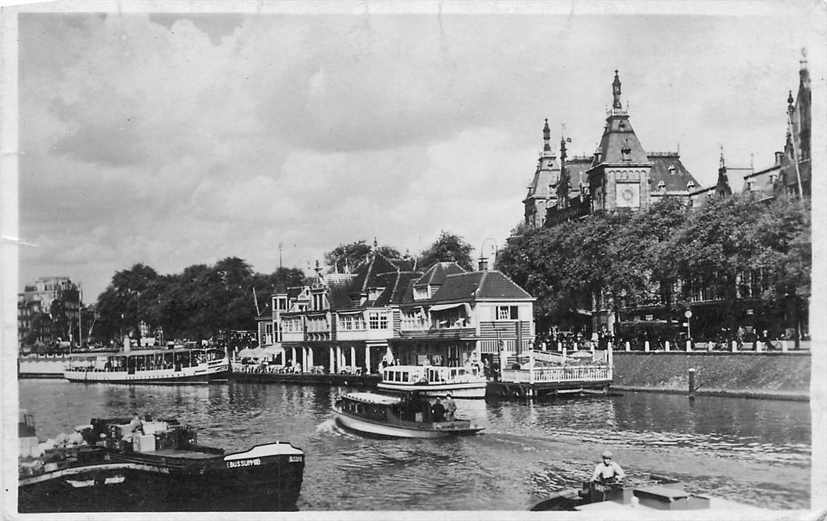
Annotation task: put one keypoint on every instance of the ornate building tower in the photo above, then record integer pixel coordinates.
(540, 194)
(619, 176)
(795, 180)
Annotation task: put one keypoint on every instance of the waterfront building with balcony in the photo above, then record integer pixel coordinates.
(451, 317)
(342, 322)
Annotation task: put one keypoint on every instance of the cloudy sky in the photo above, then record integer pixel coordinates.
(175, 139)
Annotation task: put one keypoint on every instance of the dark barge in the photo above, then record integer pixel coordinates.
(161, 468)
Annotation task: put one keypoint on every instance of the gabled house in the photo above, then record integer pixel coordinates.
(465, 317)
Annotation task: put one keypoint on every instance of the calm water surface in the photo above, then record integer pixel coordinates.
(753, 451)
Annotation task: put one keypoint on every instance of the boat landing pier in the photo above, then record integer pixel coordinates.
(549, 373)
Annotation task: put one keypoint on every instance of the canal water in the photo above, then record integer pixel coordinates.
(752, 451)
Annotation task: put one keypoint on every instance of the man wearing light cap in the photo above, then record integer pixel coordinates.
(608, 471)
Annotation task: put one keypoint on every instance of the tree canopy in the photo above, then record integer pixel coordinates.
(199, 302)
(664, 255)
(447, 247)
(350, 255)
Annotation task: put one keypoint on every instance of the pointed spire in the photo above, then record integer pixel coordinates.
(616, 92)
(803, 72)
(563, 181)
(546, 138)
(722, 188)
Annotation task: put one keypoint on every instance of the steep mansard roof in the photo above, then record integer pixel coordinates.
(479, 285)
(435, 275)
(617, 136)
(667, 167)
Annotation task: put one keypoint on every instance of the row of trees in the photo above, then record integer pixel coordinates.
(196, 303)
(727, 248)
(204, 300)
(447, 247)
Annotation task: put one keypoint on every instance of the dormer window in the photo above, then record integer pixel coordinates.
(626, 151)
(662, 186)
(672, 170)
(421, 293)
(690, 185)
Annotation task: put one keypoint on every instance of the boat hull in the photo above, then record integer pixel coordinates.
(466, 391)
(397, 430)
(203, 373)
(252, 484)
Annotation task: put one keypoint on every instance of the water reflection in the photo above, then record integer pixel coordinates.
(749, 450)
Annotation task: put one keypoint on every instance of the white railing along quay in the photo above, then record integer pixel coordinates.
(557, 374)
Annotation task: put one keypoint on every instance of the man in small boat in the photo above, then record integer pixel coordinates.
(450, 407)
(136, 426)
(607, 472)
(438, 411)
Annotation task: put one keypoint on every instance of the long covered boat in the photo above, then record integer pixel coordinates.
(161, 467)
(395, 416)
(154, 366)
(433, 381)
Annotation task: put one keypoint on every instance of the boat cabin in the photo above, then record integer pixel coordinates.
(151, 360)
(430, 374)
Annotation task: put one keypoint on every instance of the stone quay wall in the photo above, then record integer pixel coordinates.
(775, 375)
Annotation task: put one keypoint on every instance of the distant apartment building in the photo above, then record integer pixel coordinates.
(37, 297)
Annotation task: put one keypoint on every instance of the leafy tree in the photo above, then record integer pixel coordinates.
(125, 301)
(352, 254)
(448, 247)
(62, 313)
(628, 260)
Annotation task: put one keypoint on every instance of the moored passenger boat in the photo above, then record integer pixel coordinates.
(159, 467)
(430, 380)
(396, 416)
(154, 366)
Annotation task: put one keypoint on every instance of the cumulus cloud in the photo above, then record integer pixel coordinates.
(175, 139)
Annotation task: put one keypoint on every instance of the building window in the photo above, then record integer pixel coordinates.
(662, 186)
(351, 322)
(377, 320)
(507, 313)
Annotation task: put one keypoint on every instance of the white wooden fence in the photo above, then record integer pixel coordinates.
(574, 373)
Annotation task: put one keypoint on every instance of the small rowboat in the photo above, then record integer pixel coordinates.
(663, 494)
(392, 416)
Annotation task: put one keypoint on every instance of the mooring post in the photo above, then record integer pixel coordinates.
(734, 346)
(666, 346)
(646, 346)
(691, 383)
(628, 346)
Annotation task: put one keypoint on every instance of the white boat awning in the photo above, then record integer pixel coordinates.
(443, 307)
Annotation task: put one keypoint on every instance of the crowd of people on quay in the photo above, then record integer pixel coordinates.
(745, 339)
